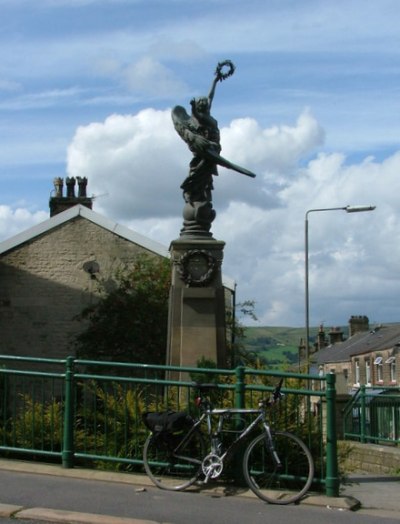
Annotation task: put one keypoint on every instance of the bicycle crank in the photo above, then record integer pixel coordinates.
(212, 466)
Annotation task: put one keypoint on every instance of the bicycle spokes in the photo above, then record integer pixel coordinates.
(281, 473)
(170, 469)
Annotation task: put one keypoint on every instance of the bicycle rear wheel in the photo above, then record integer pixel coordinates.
(282, 484)
(174, 465)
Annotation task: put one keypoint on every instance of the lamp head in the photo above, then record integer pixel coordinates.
(358, 209)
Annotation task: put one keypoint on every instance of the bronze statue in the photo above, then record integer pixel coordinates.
(200, 132)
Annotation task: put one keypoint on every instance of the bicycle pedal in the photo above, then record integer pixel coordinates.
(203, 482)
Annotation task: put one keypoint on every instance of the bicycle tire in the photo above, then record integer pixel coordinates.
(174, 466)
(284, 485)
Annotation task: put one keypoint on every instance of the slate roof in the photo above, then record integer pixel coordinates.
(84, 212)
(101, 221)
(378, 339)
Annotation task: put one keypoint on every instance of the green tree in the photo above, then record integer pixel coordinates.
(236, 346)
(129, 323)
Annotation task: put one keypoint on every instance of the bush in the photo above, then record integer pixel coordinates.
(129, 323)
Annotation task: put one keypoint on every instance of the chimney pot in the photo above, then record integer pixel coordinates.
(70, 181)
(82, 183)
(58, 186)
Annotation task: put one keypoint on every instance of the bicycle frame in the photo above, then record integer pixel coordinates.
(207, 415)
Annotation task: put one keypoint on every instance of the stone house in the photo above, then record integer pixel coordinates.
(366, 365)
(368, 357)
(49, 273)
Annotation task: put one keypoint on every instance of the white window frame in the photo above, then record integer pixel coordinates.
(357, 372)
(393, 377)
(378, 363)
(367, 372)
(392, 363)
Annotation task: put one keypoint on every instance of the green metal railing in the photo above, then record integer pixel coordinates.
(89, 412)
(373, 415)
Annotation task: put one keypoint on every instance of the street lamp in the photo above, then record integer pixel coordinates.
(348, 209)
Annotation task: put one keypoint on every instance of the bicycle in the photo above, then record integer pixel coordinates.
(277, 465)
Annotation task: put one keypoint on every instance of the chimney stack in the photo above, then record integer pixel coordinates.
(335, 335)
(358, 324)
(59, 203)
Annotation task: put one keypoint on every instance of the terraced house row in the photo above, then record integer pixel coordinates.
(369, 356)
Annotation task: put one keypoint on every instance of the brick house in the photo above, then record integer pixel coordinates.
(49, 273)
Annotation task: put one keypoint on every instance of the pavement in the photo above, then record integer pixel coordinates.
(365, 493)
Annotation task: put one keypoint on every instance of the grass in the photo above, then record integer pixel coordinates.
(276, 346)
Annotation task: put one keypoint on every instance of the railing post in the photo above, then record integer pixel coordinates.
(237, 462)
(68, 441)
(239, 388)
(332, 478)
(363, 417)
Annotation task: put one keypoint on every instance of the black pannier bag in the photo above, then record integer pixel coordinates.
(168, 423)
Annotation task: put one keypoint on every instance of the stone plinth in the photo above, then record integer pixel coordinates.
(197, 303)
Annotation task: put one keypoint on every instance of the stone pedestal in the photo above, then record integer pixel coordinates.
(197, 303)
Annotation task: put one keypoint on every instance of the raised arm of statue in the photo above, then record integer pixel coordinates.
(219, 75)
(212, 91)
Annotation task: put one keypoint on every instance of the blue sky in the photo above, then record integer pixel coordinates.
(86, 89)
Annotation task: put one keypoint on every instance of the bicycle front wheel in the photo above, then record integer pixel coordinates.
(282, 483)
(174, 465)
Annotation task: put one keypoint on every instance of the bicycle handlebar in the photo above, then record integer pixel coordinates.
(205, 387)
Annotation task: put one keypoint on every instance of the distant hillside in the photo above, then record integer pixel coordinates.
(277, 346)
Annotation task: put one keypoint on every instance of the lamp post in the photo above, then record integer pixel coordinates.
(348, 209)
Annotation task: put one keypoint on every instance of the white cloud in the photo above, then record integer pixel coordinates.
(135, 159)
(149, 76)
(353, 257)
(41, 100)
(278, 148)
(139, 161)
(136, 163)
(15, 220)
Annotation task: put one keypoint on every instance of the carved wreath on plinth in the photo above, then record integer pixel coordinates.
(197, 267)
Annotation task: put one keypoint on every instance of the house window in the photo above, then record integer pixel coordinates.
(392, 366)
(357, 373)
(367, 372)
(378, 362)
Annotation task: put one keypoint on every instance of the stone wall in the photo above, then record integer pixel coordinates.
(346, 375)
(46, 282)
(371, 458)
(377, 377)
